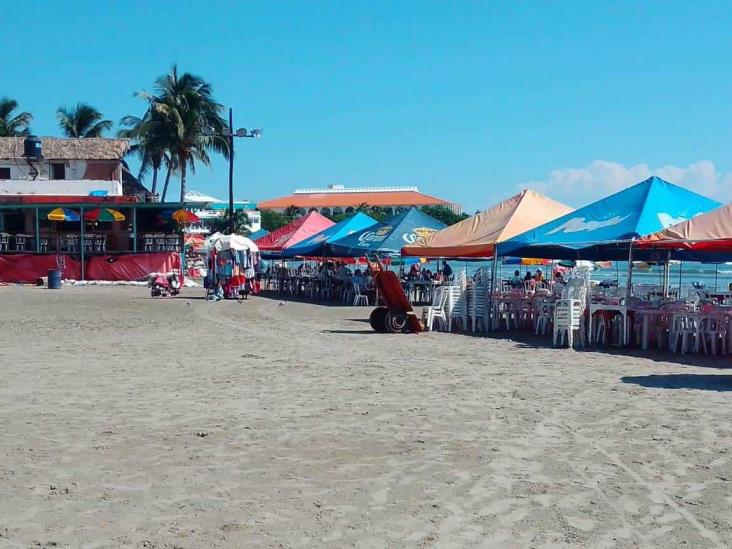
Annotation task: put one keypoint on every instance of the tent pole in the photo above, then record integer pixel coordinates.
(81, 241)
(628, 292)
(38, 231)
(666, 274)
(681, 268)
(494, 274)
(716, 266)
(134, 229)
(629, 283)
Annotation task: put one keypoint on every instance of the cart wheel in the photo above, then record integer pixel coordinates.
(377, 319)
(395, 321)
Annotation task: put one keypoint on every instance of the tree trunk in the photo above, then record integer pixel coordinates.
(154, 186)
(183, 166)
(165, 187)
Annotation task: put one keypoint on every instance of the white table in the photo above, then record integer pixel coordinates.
(622, 309)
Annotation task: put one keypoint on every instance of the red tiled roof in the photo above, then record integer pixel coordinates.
(334, 200)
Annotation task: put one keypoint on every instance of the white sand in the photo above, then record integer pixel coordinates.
(318, 432)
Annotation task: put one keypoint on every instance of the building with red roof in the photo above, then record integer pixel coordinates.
(337, 199)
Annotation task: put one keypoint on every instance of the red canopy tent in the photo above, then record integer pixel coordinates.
(292, 233)
(709, 232)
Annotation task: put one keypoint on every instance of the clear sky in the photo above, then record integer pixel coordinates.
(468, 100)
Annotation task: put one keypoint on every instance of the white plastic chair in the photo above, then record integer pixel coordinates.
(456, 306)
(567, 321)
(437, 311)
(359, 299)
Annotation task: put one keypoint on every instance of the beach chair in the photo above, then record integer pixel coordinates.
(436, 311)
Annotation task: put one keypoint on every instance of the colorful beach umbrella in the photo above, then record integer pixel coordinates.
(63, 214)
(104, 214)
(185, 216)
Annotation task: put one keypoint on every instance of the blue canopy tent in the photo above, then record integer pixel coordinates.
(315, 245)
(605, 229)
(386, 238)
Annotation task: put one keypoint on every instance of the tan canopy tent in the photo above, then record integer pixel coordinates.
(709, 232)
(478, 235)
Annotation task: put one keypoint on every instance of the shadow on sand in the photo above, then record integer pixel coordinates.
(704, 382)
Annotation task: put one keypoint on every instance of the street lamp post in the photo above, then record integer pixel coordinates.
(241, 132)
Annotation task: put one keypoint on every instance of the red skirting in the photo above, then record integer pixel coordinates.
(28, 268)
(131, 267)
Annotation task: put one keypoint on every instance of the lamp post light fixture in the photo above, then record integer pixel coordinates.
(231, 134)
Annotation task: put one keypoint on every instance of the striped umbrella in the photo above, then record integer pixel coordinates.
(104, 214)
(63, 214)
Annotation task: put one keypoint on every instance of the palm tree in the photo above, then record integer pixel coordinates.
(292, 211)
(193, 120)
(151, 143)
(82, 121)
(13, 125)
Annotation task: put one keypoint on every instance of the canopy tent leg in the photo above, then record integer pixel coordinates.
(716, 267)
(628, 293)
(667, 274)
(494, 274)
(38, 231)
(81, 241)
(134, 230)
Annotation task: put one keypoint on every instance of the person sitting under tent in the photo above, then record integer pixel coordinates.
(515, 281)
(528, 276)
(539, 276)
(446, 271)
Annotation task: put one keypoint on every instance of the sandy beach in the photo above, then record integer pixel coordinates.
(132, 422)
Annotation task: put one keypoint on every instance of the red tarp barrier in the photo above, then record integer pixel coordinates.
(29, 268)
(131, 267)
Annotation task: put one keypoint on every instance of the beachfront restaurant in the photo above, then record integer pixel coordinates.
(87, 232)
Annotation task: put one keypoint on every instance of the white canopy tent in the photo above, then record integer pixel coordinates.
(220, 242)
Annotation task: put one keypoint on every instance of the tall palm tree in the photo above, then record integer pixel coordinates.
(151, 143)
(82, 121)
(186, 104)
(13, 124)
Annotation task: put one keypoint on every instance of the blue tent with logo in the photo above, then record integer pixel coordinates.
(315, 245)
(605, 229)
(386, 238)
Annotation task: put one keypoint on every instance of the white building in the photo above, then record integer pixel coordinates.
(68, 167)
(216, 209)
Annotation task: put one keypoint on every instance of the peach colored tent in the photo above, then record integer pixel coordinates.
(711, 231)
(477, 236)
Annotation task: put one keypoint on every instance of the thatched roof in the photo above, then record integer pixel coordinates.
(56, 148)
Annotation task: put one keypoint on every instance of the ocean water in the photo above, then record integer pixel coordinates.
(714, 277)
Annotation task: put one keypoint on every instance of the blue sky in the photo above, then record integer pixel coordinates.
(468, 100)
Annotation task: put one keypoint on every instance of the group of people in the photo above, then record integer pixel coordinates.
(426, 275)
(517, 282)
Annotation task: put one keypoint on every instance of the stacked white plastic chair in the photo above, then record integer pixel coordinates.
(568, 315)
(457, 302)
(478, 292)
(569, 312)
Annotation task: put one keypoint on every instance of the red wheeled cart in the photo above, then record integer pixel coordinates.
(395, 314)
